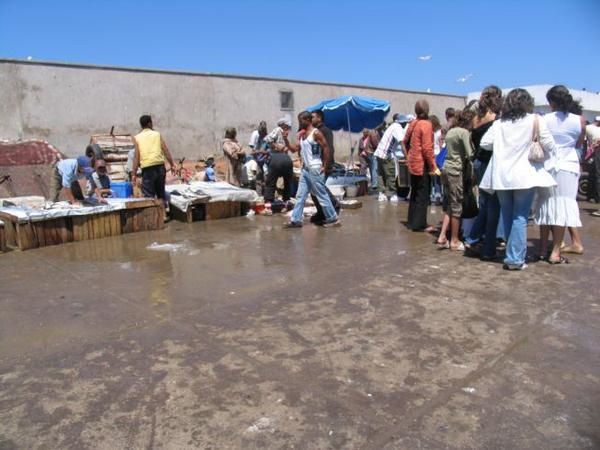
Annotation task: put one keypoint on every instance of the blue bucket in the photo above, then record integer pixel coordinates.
(121, 189)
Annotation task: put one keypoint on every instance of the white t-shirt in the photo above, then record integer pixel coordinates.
(592, 134)
(394, 134)
(249, 171)
(253, 140)
(437, 141)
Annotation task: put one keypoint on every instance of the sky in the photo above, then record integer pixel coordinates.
(471, 44)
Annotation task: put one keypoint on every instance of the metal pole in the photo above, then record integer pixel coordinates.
(350, 139)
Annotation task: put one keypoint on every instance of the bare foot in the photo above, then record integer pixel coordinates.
(572, 249)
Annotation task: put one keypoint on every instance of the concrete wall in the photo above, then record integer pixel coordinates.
(64, 104)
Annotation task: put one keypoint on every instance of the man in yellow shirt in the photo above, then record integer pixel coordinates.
(150, 154)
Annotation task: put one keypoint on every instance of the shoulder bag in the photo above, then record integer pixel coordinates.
(536, 152)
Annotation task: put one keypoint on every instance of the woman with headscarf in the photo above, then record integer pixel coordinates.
(557, 206)
(235, 157)
(511, 173)
(418, 142)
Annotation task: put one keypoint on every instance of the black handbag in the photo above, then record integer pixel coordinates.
(469, 203)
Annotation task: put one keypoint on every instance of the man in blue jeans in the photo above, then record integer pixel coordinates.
(314, 152)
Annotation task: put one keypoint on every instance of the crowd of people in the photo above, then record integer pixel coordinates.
(494, 166)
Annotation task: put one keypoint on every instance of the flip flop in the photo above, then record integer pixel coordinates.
(459, 248)
(444, 246)
(561, 260)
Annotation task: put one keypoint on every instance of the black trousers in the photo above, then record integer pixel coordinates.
(420, 187)
(320, 215)
(280, 166)
(153, 181)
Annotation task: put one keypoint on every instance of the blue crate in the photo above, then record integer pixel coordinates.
(121, 189)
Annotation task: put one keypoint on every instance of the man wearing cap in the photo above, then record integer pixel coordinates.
(386, 158)
(66, 176)
(592, 136)
(98, 187)
(281, 164)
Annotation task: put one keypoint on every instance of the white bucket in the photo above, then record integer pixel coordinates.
(351, 190)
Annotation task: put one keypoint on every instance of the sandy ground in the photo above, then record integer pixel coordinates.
(244, 335)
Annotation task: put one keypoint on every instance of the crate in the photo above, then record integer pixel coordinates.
(121, 189)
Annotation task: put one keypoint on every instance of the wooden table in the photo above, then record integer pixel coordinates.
(143, 215)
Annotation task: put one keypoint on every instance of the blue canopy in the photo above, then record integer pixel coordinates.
(352, 112)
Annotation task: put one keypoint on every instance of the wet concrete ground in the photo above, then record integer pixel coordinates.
(245, 335)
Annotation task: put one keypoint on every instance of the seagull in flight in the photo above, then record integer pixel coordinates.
(425, 58)
(464, 79)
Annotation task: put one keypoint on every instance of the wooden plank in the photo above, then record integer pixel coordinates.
(126, 225)
(78, 228)
(40, 233)
(10, 234)
(66, 234)
(148, 202)
(26, 237)
(222, 210)
(3, 246)
(117, 223)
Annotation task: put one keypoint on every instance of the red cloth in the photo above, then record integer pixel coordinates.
(420, 153)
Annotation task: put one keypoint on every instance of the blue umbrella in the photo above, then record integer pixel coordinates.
(352, 112)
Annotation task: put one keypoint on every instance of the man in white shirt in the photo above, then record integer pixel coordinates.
(386, 158)
(592, 136)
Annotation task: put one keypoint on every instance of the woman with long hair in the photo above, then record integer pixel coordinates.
(511, 173)
(486, 223)
(557, 206)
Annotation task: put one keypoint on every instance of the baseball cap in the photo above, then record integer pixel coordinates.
(85, 164)
(285, 120)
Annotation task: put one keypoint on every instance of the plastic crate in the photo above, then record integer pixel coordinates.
(121, 189)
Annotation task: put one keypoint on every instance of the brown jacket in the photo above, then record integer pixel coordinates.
(419, 141)
(235, 160)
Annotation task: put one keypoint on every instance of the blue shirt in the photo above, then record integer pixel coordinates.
(209, 174)
(67, 168)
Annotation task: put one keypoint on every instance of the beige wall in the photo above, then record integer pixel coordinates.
(65, 104)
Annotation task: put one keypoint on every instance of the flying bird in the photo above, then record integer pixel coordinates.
(425, 58)
(464, 79)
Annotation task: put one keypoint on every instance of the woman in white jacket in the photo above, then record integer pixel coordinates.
(557, 206)
(510, 173)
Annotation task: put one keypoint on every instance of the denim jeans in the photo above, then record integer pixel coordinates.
(312, 181)
(487, 222)
(372, 161)
(514, 210)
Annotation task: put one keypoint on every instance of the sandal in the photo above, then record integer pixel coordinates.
(459, 248)
(561, 260)
(443, 245)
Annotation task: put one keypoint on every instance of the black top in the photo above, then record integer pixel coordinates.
(328, 134)
(476, 134)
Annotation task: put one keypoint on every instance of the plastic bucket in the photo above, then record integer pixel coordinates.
(351, 190)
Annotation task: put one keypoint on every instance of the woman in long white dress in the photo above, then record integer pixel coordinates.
(557, 206)
(511, 174)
